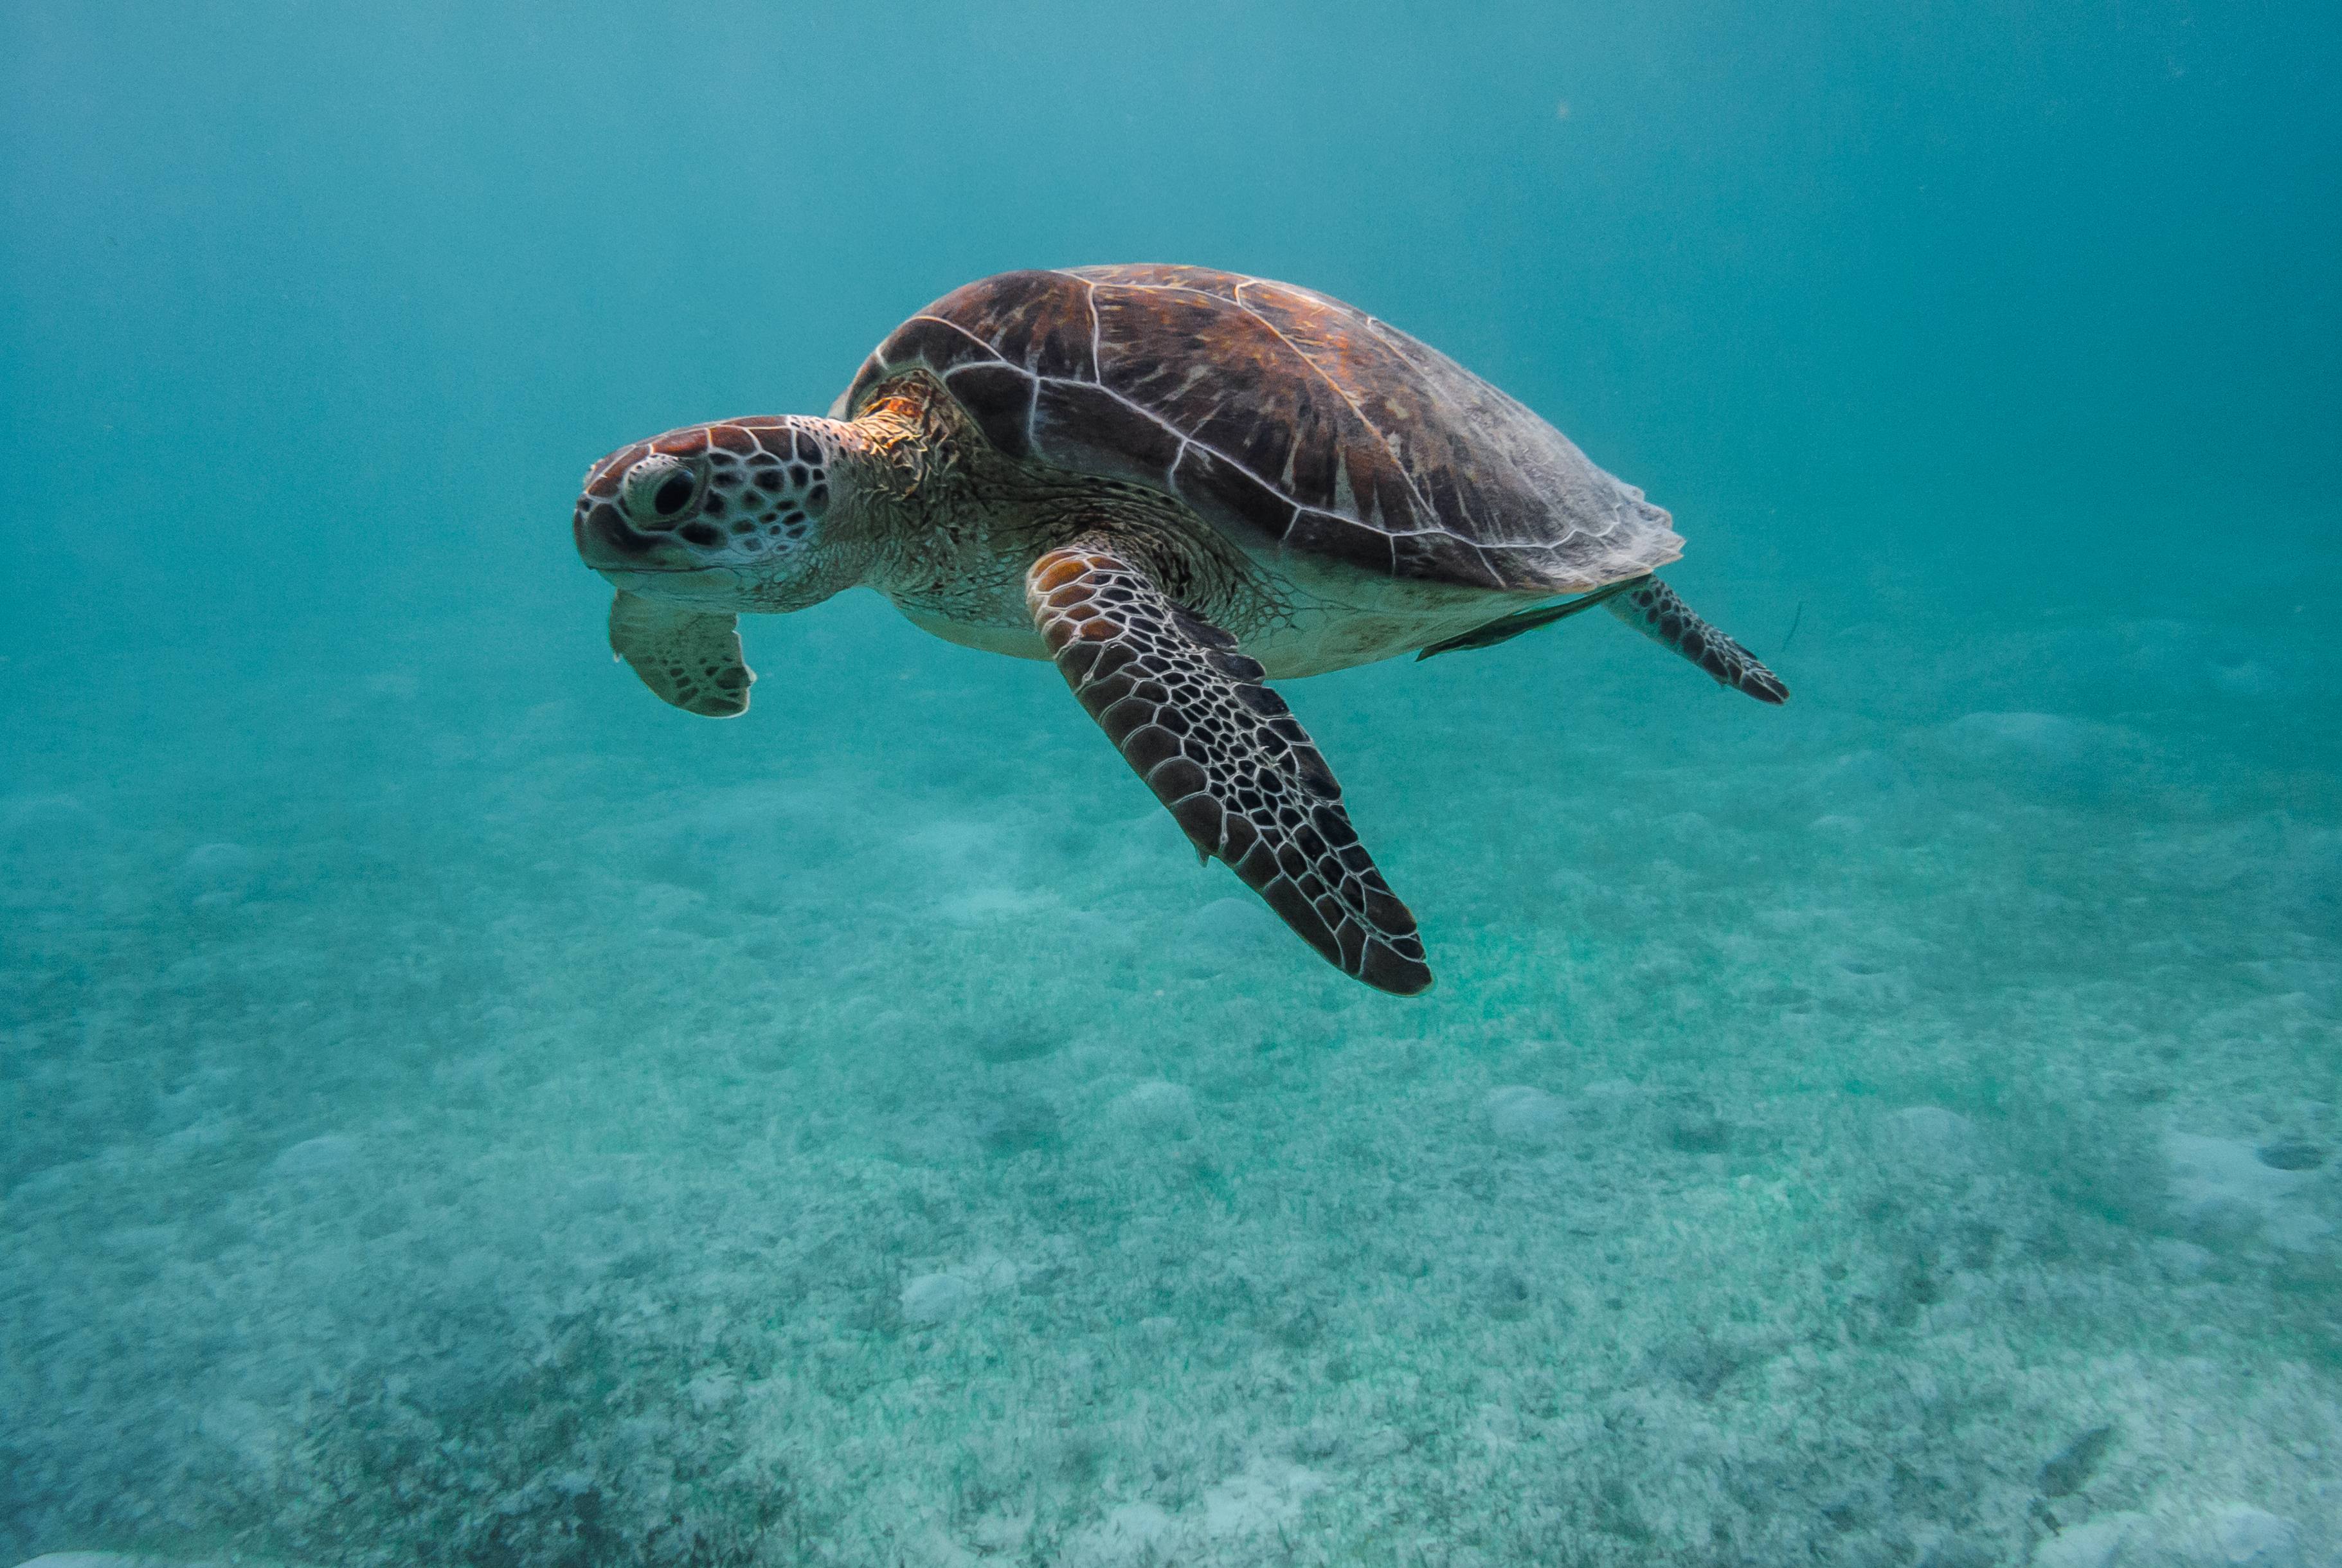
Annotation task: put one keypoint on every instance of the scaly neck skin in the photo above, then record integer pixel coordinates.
(932, 521)
(942, 523)
(895, 448)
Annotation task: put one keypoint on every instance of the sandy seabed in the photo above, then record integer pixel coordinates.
(457, 1119)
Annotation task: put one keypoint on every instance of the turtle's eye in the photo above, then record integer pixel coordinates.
(659, 490)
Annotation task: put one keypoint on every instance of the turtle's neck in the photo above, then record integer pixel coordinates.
(933, 519)
(946, 525)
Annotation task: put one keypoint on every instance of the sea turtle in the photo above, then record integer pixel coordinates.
(1176, 484)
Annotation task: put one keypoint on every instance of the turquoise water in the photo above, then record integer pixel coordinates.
(461, 1110)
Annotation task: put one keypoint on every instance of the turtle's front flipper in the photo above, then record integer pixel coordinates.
(692, 660)
(1652, 608)
(1224, 753)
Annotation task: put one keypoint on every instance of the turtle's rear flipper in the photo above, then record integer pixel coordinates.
(1224, 754)
(1505, 628)
(690, 659)
(1651, 607)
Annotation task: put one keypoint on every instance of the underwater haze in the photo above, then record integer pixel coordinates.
(459, 1109)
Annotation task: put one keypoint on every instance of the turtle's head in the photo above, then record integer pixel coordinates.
(723, 517)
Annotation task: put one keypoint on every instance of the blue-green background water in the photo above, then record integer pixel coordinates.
(458, 1109)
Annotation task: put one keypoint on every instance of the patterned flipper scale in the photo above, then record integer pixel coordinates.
(1652, 608)
(1222, 751)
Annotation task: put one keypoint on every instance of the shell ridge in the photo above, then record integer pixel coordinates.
(1494, 400)
(1097, 334)
(1291, 507)
(1187, 439)
(1032, 411)
(942, 320)
(1139, 409)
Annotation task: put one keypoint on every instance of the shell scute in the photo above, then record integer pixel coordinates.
(1038, 319)
(942, 345)
(1218, 487)
(1038, 322)
(999, 398)
(1086, 427)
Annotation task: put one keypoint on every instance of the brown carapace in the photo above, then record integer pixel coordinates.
(1286, 417)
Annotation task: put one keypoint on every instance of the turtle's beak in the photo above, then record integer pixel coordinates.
(649, 565)
(606, 542)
